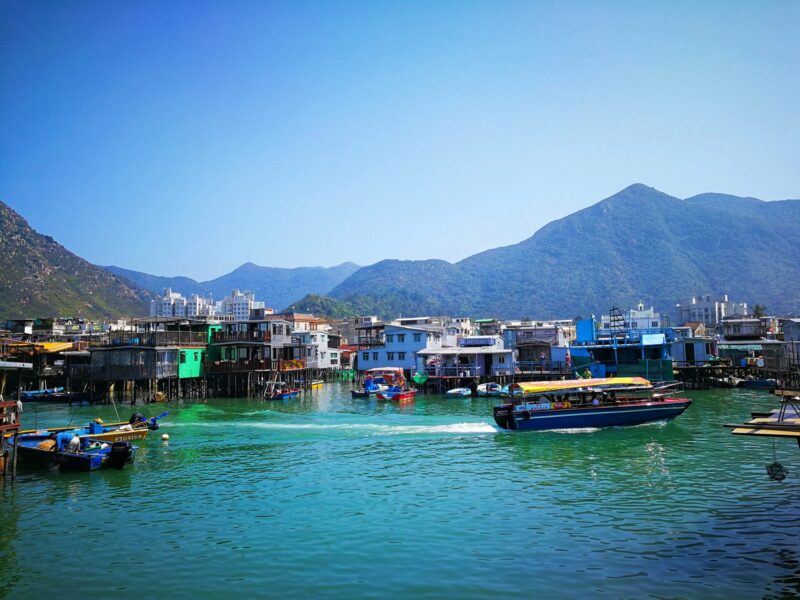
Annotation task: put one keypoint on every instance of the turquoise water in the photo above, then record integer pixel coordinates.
(330, 497)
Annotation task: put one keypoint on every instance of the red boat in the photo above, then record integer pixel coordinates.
(397, 395)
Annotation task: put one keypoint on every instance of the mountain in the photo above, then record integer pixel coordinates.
(277, 287)
(638, 245)
(41, 278)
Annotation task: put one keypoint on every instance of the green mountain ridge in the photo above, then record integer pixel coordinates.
(41, 278)
(637, 245)
(278, 287)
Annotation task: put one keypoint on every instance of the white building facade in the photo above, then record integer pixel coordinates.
(637, 318)
(401, 344)
(239, 304)
(702, 309)
(173, 304)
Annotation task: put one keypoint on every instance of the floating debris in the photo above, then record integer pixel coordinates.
(776, 471)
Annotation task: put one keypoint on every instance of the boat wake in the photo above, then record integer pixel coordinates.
(370, 429)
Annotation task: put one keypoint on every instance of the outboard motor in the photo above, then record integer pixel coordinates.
(137, 418)
(504, 416)
(121, 453)
(152, 424)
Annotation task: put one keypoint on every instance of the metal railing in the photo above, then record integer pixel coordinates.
(158, 338)
(225, 366)
(242, 336)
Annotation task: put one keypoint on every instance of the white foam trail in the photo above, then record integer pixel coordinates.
(368, 428)
(574, 430)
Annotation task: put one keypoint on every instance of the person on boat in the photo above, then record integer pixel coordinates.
(595, 399)
(66, 441)
(587, 374)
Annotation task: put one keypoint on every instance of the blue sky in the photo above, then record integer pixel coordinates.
(188, 138)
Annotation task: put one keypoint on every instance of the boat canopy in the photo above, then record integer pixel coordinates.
(387, 370)
(599, 383)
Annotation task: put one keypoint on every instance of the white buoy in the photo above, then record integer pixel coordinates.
(164, 437)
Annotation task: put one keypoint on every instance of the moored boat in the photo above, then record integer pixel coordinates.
(135, 429)
(586, 403)
(397, 394)
(379, 379)
(86, 455)
(490, 389)
(280, 391)
(462, 391)
(758, 384)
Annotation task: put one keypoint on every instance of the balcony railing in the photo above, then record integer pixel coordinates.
(241, 336)
(542, 366)
(158, 338)
(226, 366)
(466, 371)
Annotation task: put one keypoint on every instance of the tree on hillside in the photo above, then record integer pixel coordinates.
(759, 311)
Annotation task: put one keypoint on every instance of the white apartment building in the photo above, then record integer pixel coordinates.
(702, 309)
(173, 304)
(637, 318)
(239, 304)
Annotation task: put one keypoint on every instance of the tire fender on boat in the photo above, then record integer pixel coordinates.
(526, 414)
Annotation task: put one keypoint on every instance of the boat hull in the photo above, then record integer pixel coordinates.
(285, 395)
(758, 384)
(589, 417)
(404, 396)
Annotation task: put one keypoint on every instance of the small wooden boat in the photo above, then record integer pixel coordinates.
(280, 391)
(462, 391)
(135, 429)
(92, 455)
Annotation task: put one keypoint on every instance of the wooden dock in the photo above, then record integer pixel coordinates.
(783, 422)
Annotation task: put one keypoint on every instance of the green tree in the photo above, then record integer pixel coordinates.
(759, 311)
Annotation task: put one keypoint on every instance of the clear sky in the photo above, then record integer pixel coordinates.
(188, 138)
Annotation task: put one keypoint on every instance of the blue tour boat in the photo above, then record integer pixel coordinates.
(586, 403)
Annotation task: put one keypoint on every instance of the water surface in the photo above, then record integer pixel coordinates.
(331, 497)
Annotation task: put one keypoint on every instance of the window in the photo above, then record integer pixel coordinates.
(401, 337)
(365, 356)
(401, 355)
(390, 356)
(195, 356)
(501, 358)
(655, 324)
(375, 356)
(183, 357)
(389, 338)
(417, 337)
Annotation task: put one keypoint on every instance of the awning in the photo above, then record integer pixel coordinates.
(541, 387)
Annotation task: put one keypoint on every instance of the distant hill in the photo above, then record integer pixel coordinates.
(639, 244)
(41, 278)
(277, 287)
